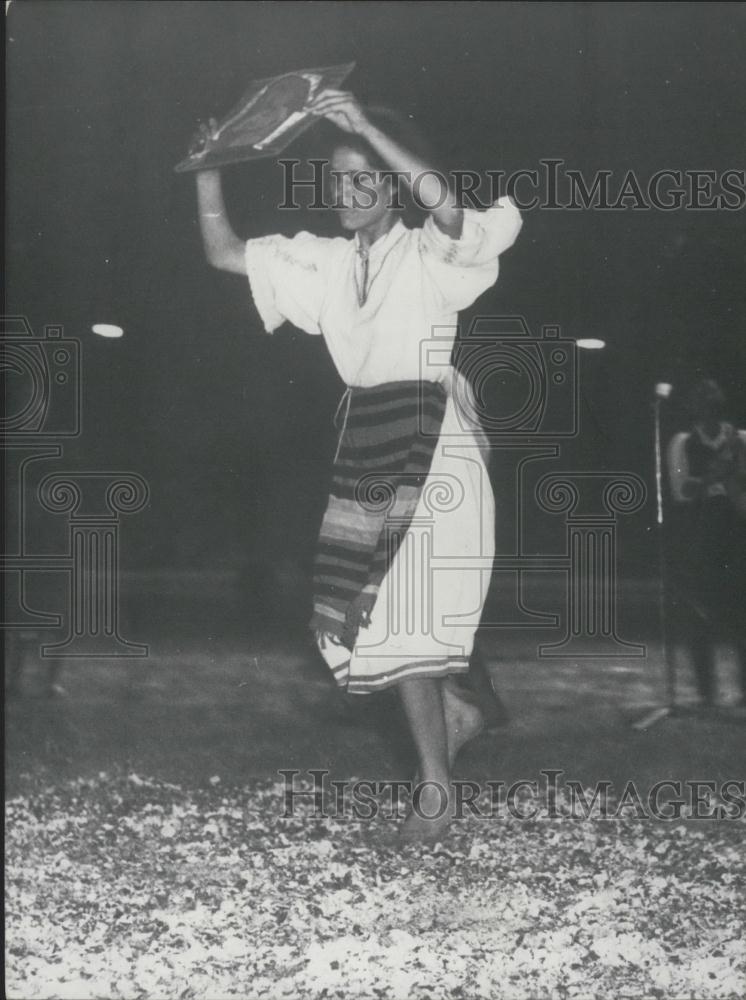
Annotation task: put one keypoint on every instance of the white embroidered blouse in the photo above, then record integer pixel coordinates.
(417, 281)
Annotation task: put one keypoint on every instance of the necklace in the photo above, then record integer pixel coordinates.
(362, 285)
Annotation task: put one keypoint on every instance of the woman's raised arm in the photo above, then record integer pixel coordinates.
(342, 108)
(223, 248)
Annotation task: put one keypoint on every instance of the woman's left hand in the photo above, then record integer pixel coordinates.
(340, 107)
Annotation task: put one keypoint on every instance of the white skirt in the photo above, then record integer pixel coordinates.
(431, 600)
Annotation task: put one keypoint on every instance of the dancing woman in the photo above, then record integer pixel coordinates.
(409, 454)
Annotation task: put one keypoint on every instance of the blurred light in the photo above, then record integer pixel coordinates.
(591, 344)
(663, 389)
(107, 330)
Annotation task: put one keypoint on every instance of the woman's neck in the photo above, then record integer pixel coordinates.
(368, 235)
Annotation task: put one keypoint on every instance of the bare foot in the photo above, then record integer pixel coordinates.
(430, 817)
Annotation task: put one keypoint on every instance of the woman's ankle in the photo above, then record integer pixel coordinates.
(434, 775)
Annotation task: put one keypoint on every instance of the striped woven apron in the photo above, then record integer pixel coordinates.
(385, 451)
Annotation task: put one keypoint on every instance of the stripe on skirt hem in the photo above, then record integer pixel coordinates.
(424, 669)
(368, 687)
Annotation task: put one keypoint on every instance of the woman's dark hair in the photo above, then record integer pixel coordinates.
(397, 126)
(402, 129)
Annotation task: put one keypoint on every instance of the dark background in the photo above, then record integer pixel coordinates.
(231, 428)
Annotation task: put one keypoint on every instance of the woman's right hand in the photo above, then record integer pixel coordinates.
(342, 108)
(203, 138)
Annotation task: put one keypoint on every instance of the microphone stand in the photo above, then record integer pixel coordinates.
(662, 391)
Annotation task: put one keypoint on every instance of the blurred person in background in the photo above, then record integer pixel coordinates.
(707, 480)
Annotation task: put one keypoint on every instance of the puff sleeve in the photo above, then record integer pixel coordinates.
(289, 279)
(459, 270)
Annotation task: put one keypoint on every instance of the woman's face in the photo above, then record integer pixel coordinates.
(359, 194)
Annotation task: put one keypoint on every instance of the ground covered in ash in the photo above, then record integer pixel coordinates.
(122, 886)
